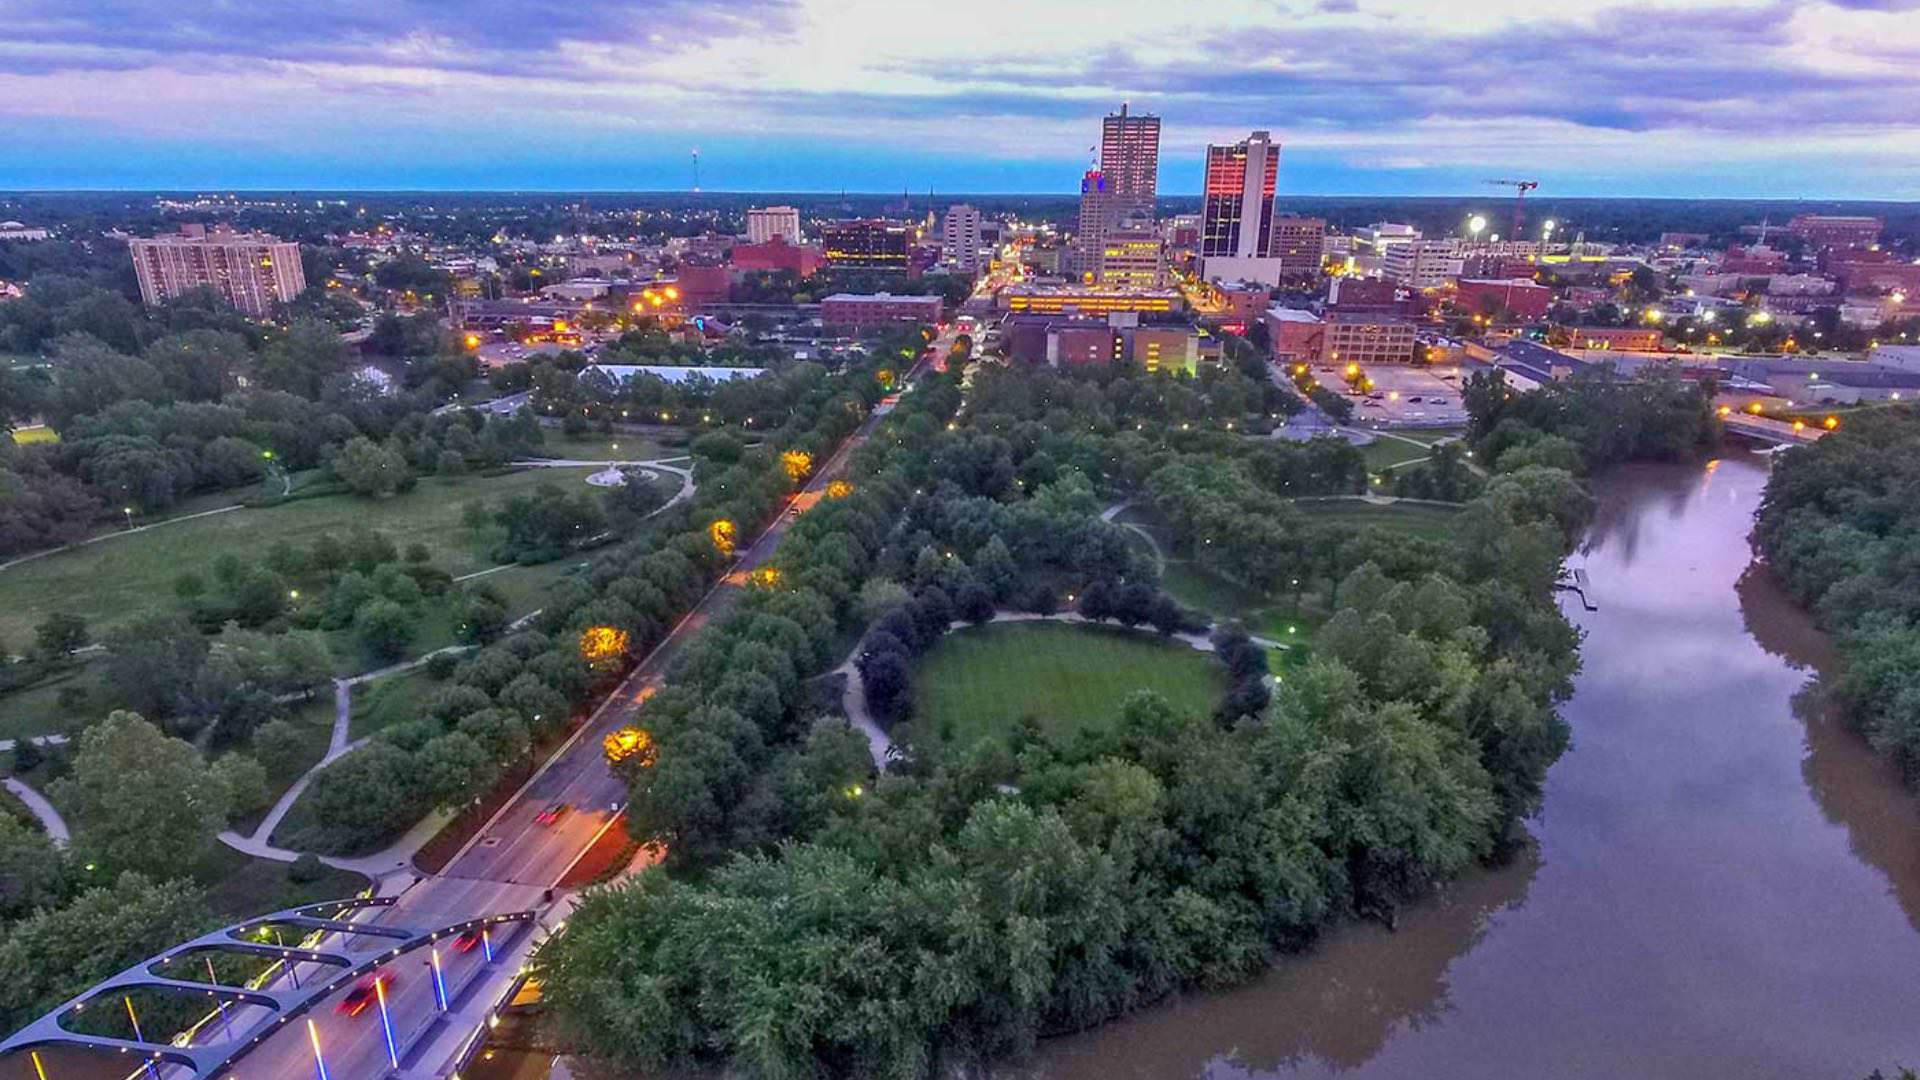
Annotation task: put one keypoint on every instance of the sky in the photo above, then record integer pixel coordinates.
(1680, 98)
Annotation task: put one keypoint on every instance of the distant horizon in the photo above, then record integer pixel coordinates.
(937, 195)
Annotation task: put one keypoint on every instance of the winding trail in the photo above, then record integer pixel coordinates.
(50, 818)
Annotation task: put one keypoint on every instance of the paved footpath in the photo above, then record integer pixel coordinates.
(50, 818)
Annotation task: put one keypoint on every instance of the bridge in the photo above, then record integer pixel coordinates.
(1767, 429)
(312, 955)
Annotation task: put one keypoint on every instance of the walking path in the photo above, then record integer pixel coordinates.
(50, 818)
(853, 700)
(118, 532)
(43, 740)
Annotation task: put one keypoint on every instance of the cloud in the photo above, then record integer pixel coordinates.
(1608, 91)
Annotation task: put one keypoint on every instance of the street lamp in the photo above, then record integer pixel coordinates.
(1475, 225)
(128, 510)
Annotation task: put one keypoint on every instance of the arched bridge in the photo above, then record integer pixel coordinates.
(333, 952)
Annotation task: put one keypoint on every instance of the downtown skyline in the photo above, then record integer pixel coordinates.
(1367, 97)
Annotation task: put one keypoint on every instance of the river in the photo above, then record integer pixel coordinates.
(1725, 880)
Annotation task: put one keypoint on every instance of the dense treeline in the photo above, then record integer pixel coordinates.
(153, 406)
(1592, 418)
(972, 899)
(1840, 527)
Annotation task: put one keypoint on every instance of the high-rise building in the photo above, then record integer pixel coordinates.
(251, 271)
(866, 244)
(960, 240)
(1823, 231)
(766, 223)
(1236, 219)
(1125, 184)
(1130, 160)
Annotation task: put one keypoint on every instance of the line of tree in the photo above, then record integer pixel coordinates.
(1837, 527)
(507, 697)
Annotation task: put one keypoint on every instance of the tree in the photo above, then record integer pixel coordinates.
(366, 796)
(153, 661)
(140, 800)
(32, 872)
(383, 628)
(57, 952)
(367, 468)
(245, 781)
(59, 634)
(279, 744)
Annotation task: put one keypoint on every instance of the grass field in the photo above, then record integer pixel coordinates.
(383, 703)
(36, 709)
(615, 447)
(977, 682)
(314, 721)
(1418, 519)
(107, 581)
(241, 887)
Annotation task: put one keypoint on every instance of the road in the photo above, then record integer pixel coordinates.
(513, 860)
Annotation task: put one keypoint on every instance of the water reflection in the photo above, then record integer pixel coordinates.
(1855, 788)
(1335, 1006)
(1727, 880)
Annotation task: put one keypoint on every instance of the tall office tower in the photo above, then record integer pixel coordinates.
(1124, 185)
(1130, 160)
(251, 271)
(765, 223)
(1236, 220)
(960, 241)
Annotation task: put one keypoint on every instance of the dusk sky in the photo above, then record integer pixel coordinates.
(1599, 97)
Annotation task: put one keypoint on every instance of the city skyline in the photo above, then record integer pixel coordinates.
(1368, 97)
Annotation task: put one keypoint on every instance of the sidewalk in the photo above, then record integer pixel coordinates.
(50, 818)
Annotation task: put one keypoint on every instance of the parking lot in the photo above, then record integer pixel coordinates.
(1405, 396)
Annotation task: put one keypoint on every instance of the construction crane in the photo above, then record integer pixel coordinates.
(1521, 187)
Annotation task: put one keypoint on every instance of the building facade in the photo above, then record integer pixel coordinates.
(771, 222)
(1123, 187)
(1824, 231)
(1422, 264)
(866, 244)
(1523, 299)
(1367, 339)
(861, 310)
(1300, 245)
(252, 271)
(776, 254)
(1236, 216)
(1132, 257)
(960, 241)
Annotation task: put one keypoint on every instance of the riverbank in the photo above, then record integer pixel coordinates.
(1724, 881)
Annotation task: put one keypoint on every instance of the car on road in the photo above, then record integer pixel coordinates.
(554, 812)
(1415, 399)
(465, 942)
(365, 993)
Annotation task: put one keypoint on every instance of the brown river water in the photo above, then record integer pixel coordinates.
(1726, 880)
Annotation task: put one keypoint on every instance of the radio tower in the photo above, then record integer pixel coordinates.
(696, 170)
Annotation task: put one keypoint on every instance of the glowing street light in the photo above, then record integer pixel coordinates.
(1476, 225)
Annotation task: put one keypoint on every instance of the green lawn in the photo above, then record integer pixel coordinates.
(384, 702)
(109, 580)
(1418, 519)
(240, 886)
(36, 709)
(596, 447)
(1385, 453)
(977, 682)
